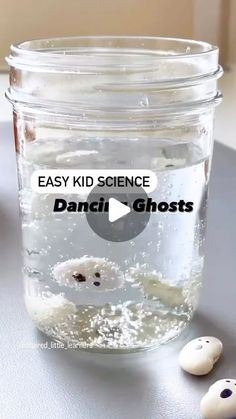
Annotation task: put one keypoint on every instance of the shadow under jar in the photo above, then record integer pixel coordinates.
(114, 103)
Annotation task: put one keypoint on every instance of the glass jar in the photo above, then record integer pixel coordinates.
(114, 103)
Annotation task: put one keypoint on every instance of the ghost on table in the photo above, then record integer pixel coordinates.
(200, 355)
(220, 400)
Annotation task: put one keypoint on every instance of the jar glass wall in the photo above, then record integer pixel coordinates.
(114, 103)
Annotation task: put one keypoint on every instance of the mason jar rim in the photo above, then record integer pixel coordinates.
(114, 80)
(72, 51)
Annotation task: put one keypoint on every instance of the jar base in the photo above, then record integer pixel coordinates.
(67, 343)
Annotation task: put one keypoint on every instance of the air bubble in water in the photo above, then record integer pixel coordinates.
(144, 102)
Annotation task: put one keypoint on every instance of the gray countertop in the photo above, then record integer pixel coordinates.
(65, 384)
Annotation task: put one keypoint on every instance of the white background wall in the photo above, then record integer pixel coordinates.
(29, 19)
(232, 32)
(210, 20)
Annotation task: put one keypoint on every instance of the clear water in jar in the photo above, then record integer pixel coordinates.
(161, 268)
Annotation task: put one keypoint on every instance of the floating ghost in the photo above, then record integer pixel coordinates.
(88, 272)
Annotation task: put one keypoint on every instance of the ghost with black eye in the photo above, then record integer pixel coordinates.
(88, 272)
(200, 355)
(79, 277)
(220, 400)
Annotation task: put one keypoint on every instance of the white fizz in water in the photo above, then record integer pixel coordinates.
(161, 268)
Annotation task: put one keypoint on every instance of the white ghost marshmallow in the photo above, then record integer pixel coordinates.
(88, 272)
(153, 286)
(220, 400)
(50, 310)
(200, 355)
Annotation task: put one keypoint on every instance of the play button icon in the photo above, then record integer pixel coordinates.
(120, 222)
(117, 210)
